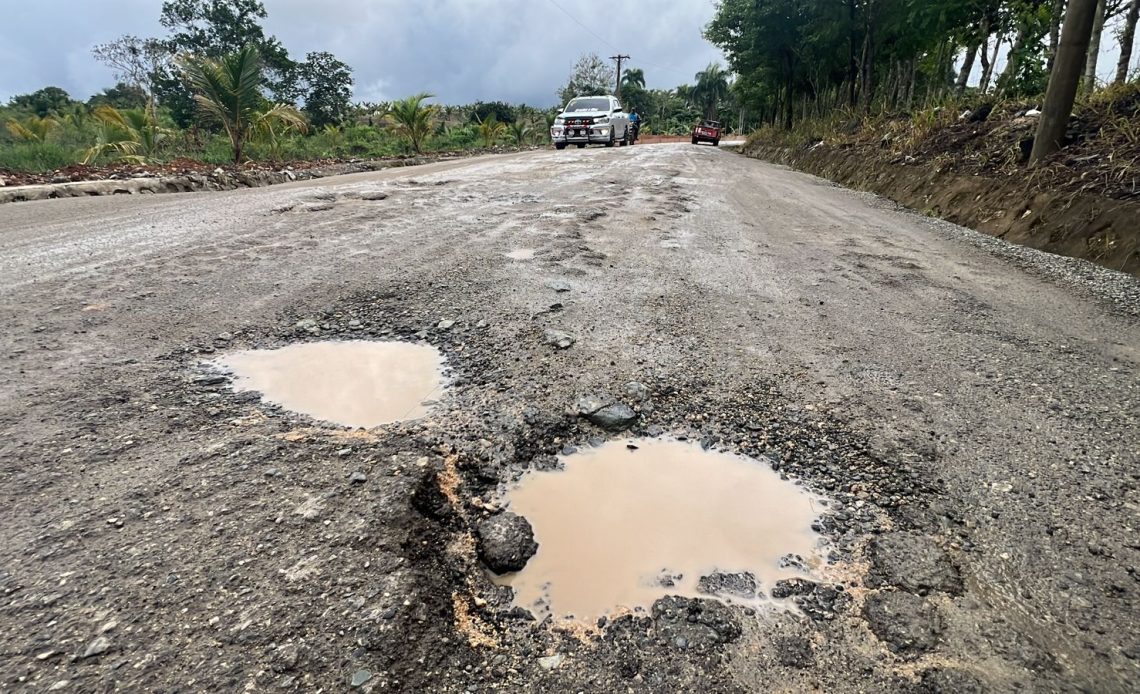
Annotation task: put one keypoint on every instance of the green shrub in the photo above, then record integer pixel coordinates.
(37, 156)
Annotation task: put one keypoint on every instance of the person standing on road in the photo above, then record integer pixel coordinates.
(635, 122)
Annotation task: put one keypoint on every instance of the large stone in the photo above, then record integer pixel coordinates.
(559, 339)
(913, 562)
(908, 624)
(615, 417)
(506, 542)
(99, 646)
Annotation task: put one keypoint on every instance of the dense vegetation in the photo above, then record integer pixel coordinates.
(801, 59)
(218, 89)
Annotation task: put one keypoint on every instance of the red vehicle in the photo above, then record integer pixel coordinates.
(707, 131)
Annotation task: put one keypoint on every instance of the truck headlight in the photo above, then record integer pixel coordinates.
(601, 119)
(559, 121)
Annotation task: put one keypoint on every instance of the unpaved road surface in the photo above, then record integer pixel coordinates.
(971, 411)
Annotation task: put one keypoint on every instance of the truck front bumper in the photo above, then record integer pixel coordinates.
(593, 134)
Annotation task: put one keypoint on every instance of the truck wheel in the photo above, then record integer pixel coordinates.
(559, 145)
(716, 142)
(582, 145)
(695, 140)
(613, 139)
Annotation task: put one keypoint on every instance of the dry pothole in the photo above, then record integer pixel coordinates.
(625, 524)
(358, 383)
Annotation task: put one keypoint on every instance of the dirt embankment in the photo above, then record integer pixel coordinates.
(1073, 223)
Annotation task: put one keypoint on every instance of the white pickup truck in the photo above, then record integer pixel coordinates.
(592, 120)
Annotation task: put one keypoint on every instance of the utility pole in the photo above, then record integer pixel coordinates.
(619, 57)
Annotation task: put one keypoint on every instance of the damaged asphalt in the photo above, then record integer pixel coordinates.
(970, 412)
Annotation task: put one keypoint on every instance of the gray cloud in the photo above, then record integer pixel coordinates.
(460, 50)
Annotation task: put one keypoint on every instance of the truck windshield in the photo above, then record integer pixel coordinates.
(588, 105)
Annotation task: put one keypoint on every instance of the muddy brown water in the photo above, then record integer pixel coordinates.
(617, 526)
(359, 384)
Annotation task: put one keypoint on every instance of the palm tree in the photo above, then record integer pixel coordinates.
(491, 130)
(32, 128)
(228, 90)
(633, 77)
(711, 89)
(412, 119)
(132, 133)
(520, 131)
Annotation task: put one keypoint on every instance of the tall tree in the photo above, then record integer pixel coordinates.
(1094, 48)
(134, 61)
(216, 28)
(228, 91)
(711, 89)
(633, 77)
(43, 102)
(1063, 83)
(1127, 38)
(590, 76)
(327, 86)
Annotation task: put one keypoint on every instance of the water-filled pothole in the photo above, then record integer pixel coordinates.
(353, 383)
(624, 524)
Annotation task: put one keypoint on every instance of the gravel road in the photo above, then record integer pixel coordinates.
(970, 409)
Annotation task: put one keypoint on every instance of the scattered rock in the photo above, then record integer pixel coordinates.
(551, 662)
(616, 417)
(307, 325)
(738, 585)
(99, 646)
(373, 195)
(637, 392)
(360, 677)
(907, 623)
(559, 286)
(559, 339)
(445, 325)
(913, 562)
(506, 542)
(285, 657)
(358, 477)
(794, 651)
(948, 681)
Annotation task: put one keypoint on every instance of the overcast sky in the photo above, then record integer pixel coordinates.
(519, 51)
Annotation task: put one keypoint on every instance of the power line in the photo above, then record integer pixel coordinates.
(609, 45)
(588, 29)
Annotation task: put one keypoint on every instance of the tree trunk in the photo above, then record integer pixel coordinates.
(1066, 77)
(989, 61)
(867, 69)
(1094, 50)
(1058, 13)
(1013, 61)
(967, 68)
(1127, 37)
(852, 57)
